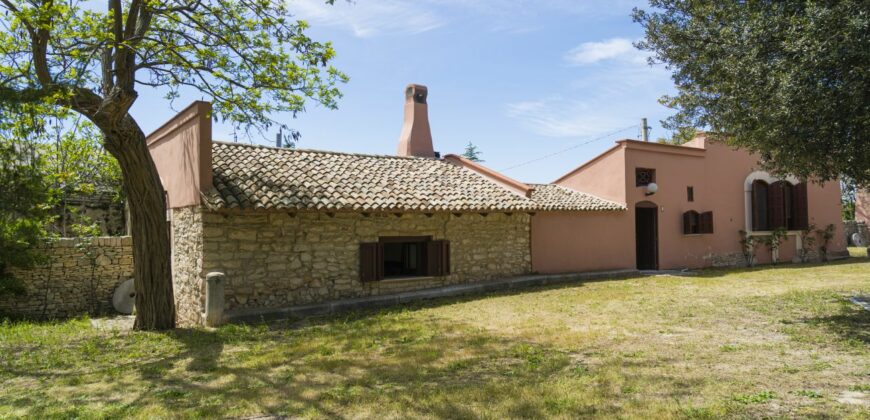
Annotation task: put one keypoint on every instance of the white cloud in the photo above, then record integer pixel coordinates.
(559, 117)
(368, 18)
(611, 49)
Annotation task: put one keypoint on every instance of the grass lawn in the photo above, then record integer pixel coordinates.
(775, 341)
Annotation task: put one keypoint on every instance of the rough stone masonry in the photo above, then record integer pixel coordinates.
(279, 259)
(79, 278)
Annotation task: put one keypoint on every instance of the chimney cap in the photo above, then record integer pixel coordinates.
(417, 93)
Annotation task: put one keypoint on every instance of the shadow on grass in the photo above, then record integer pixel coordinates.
(365, 364)
(851, 324)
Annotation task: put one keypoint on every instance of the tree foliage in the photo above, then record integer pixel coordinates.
(472, 153)
(250, 57)
(789, 80)
(23, 208)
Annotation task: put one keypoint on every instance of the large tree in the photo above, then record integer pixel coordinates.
(249, 56)
(787, 79)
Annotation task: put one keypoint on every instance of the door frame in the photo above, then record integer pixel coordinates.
(655, 227)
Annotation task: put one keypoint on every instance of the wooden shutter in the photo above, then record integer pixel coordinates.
(775, 203)
(371, 261)
(706, 222)
(687, 223)
(801, 214)
(438, 258)
(690, 223)
(759, 202)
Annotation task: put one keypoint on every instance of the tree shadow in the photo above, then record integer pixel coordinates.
(851, 324)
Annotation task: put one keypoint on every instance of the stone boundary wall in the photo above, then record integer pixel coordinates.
(274, 260)
(77, 280)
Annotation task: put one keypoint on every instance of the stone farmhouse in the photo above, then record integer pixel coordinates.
(293, 227)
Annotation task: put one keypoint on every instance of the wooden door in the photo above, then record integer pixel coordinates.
(646, 241)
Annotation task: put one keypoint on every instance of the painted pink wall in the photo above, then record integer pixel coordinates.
(181, 149)
(862, 206)
(564, 242)
(603, 176)
(718, 175)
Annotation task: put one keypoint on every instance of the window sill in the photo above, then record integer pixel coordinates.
(405, 279)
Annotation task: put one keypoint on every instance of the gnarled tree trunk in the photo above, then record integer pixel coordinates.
(155, 304)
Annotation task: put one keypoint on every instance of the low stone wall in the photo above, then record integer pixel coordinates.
(78, 279)
(273, 260)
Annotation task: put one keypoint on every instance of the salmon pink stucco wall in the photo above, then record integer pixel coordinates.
(564, 242)
(718, 174)
(181, 149)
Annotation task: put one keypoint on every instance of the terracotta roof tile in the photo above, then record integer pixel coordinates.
(557, 197)
(257, 177)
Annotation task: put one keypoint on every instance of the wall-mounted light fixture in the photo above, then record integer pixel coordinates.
(651, 188)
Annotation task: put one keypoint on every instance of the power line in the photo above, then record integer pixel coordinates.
(572, 147)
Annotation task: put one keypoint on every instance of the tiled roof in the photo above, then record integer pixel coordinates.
(257, 177)
(557, 197)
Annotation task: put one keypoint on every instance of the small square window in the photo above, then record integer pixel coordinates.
(644, 176)
(690, 194)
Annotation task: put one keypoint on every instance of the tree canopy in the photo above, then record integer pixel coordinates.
(251, 58)
(789, 80)
(472, 153)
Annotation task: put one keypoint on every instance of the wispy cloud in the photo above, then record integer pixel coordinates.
(557, 116)
(613, 88)
(611, 49)
(368, 18)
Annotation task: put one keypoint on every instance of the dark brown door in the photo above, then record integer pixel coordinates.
(646, 229)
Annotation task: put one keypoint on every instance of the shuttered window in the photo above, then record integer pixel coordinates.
(395, 257)
(691, 223)
(371, 261)
(801, 216)
(759, 205)
(706, 223)
(438, 258)
(696, 223)
(779, 205)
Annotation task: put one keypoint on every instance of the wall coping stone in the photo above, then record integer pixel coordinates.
(380, 301)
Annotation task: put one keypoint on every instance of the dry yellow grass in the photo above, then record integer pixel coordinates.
(775, 341)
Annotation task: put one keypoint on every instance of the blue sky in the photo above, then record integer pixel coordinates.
(521, 79)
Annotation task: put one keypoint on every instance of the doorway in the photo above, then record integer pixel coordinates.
(646, 225)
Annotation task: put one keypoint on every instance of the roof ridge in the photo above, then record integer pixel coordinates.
(326, 152)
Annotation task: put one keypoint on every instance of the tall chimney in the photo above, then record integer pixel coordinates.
(416, 138)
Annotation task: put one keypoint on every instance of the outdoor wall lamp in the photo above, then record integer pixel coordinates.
(651, 188)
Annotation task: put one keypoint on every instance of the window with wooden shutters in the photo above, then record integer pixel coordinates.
(776, 203)
(438, 258)
(404, 256)
(691, 223)
(706, 222)
(759, 206)
(370, 262)
(801, 215)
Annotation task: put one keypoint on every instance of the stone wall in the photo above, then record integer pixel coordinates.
(78, 279)
(283, 259)
(187, 275)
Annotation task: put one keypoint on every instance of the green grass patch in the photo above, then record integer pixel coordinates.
(766, 342)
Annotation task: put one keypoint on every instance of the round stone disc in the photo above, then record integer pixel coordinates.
(124, 299)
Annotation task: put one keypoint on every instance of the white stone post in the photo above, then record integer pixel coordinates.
(214, 299)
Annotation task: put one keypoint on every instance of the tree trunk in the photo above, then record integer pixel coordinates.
(155, 303)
